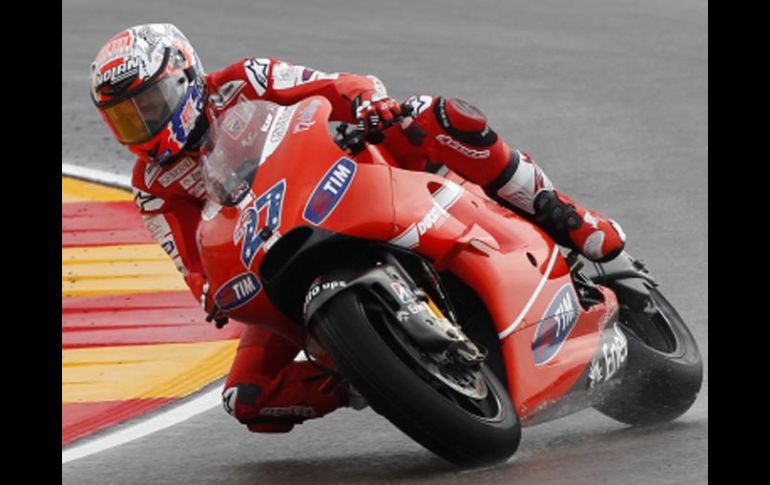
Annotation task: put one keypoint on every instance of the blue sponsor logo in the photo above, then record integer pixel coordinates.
(307, 73)
(330, 191)
(238, 291)
(557, 323)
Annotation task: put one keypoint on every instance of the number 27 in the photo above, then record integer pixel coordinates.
(247, 226)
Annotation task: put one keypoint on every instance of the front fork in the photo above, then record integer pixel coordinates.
(426, 317)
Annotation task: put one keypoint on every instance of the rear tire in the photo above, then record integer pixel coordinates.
(664, 369)
(451, 425)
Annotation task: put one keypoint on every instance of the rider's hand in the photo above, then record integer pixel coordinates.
(211, 308)
(375, 114)
(202, 290)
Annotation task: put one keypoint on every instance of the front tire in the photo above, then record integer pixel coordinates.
(359, 337)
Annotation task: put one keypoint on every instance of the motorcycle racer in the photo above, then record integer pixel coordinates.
(152, 91)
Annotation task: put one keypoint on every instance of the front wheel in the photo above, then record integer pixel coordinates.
(664, 370)
(463, 415)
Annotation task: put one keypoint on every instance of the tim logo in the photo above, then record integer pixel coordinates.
(555, 326)
(330, 191)
(238, 291)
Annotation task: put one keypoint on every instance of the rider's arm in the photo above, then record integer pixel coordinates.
(172, 221)
(283, 83)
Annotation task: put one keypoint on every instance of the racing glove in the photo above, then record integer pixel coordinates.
(375, 114)
(202, 291)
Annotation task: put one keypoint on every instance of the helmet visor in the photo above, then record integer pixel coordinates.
(137, 119)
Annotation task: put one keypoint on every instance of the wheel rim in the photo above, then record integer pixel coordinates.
(652, 326)
(457, 386)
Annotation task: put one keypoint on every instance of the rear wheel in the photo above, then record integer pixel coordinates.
(664, 370)
(460, 412)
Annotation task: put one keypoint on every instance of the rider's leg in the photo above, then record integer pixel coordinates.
(455, 133)
(269, 392)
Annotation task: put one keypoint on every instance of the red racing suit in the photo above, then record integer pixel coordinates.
(266, 389)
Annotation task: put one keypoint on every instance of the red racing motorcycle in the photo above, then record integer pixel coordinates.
(456, 319)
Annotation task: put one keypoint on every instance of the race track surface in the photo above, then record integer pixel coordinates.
(609, 96)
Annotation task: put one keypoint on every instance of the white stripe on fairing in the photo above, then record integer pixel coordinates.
(408, 239)
(282, 114)
(164, 420)
(532, 298)
(96, 175)
(444, 197)
(447, 195)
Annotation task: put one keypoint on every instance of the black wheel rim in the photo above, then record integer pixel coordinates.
(488, 409)
(652, 326)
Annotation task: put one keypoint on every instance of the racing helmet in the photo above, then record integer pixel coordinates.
(148, 85)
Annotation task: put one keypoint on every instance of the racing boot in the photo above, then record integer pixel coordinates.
(524, 186)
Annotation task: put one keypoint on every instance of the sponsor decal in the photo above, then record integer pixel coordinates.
(183, 121)
(555, 326)
(303, 411)
(281, 125)
(166, 153)
(119, 46)
(147, 202)
(161, 231)
(151, 172)
(403, 292)
(460, 148)
(317, 288)
(443, 199)
(268, 121)
(191, 178)
(176, 172)
(168, 247)
(198, 190)
(330, 191)
(229, 398)
(256, 71)
(612, 358)
(158, 226)
(286, 76)
(234, 127)
(150, 37)
(434, 217)
(188, 116)
(305, 119)
(114, 74)
(238, 291)
(419, 104)
(307, 74)
(237, 119)
(226, 93)
(247, 230)
(415, 308)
